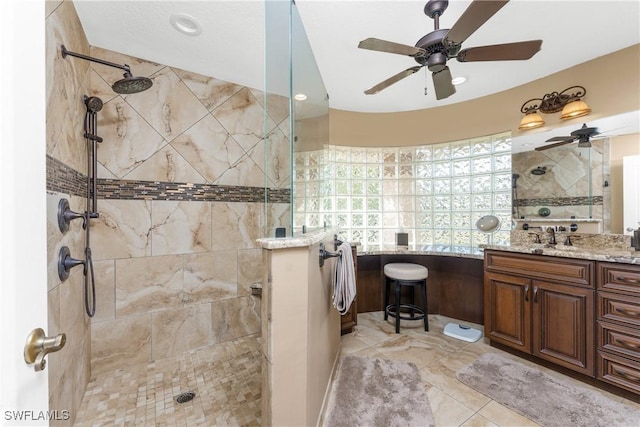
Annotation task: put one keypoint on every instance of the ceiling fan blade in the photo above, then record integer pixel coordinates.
(557, 144)
(560, 138)
(501, 52)
(476, 14)
(391, 80)
(390, 47)
(442, 84)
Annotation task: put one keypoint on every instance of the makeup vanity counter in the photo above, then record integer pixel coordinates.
(454, 285)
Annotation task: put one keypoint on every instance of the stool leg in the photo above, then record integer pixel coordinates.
(423, 289)
(412, 300)
(397, 307)
(386, 297)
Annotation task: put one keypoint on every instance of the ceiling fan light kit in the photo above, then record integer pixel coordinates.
(434, 49)
(569, 101)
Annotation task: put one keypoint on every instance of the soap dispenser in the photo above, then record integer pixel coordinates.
(635, 240)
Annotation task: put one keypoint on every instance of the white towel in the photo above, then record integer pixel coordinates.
(344, 290)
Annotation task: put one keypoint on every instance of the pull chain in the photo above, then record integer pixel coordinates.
(425, 81)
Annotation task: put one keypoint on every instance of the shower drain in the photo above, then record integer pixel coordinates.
(185, 397)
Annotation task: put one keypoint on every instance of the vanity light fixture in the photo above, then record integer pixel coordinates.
(569, 101)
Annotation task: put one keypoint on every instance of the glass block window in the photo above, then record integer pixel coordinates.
(435, 193)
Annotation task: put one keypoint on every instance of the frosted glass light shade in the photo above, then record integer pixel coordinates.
(531, 121)
(574, 109)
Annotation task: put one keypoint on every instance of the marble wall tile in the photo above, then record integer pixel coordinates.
(73, 238)
(73, 319)
(148, 284)
(180, 227)
(55, 361)
(122, 230)
(278, 215)
(121, 342)
(105, 277)
(234, 318)
(211, 276)
(66, 83)
(277, 106)
(62, 397)
(210, 91)
(179, 330)
(166, 165)
(245, 172)
(250, 269)
(169, 106)
(209, 148)
(274, 155)
(243, 116)
(236, 225)
(50, 6)
(128, 139)
(99, 87)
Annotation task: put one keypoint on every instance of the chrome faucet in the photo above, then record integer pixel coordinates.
(552, 239)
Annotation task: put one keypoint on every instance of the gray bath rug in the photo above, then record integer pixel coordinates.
(547, 400)
(375, 392)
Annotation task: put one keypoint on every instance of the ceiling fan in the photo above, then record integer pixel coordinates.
(434, 49)
(582, 135)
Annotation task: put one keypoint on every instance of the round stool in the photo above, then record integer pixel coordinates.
(405, 274)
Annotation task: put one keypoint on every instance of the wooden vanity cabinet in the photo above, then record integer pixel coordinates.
(618, 330)
(542, 306)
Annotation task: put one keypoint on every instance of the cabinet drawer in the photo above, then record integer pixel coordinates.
(619, 339)
(623, 278)
(619, 308)
(619, 371)
(574, 271)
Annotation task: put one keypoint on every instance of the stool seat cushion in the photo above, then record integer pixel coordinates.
(405, 271)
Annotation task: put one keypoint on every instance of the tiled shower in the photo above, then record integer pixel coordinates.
(183, 193)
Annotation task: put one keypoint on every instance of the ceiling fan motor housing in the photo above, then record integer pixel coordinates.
(436, 54)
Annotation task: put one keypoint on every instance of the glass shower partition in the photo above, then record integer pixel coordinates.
(298, 196)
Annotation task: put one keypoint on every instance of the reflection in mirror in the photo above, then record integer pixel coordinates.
(562, 182)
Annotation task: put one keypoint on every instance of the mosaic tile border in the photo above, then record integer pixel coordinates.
(561, 201)
(62, 178)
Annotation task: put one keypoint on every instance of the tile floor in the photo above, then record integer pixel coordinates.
(226, 379)
(439, 357)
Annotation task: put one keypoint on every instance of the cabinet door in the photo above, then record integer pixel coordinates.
(507, 316)
(563, 325)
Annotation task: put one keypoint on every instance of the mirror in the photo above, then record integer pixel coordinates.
(570, 181)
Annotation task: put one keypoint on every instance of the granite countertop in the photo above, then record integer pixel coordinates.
(609, 255)
(439, 250)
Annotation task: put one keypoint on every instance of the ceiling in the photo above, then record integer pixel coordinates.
(231, 45)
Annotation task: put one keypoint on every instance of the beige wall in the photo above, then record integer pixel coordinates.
(626, 145)
(300, 338)
(611, 81)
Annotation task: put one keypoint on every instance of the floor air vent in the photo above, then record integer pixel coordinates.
(185, 397)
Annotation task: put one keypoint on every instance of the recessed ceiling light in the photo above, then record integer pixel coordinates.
(300, 97)
(186, 24)
(458, 80)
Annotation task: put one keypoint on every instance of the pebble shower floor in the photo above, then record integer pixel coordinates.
(225, 377)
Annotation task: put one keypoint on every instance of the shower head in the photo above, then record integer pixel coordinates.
(93, 103)
(131, 84)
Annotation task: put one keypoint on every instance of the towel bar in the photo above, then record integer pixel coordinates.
(324, 254)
